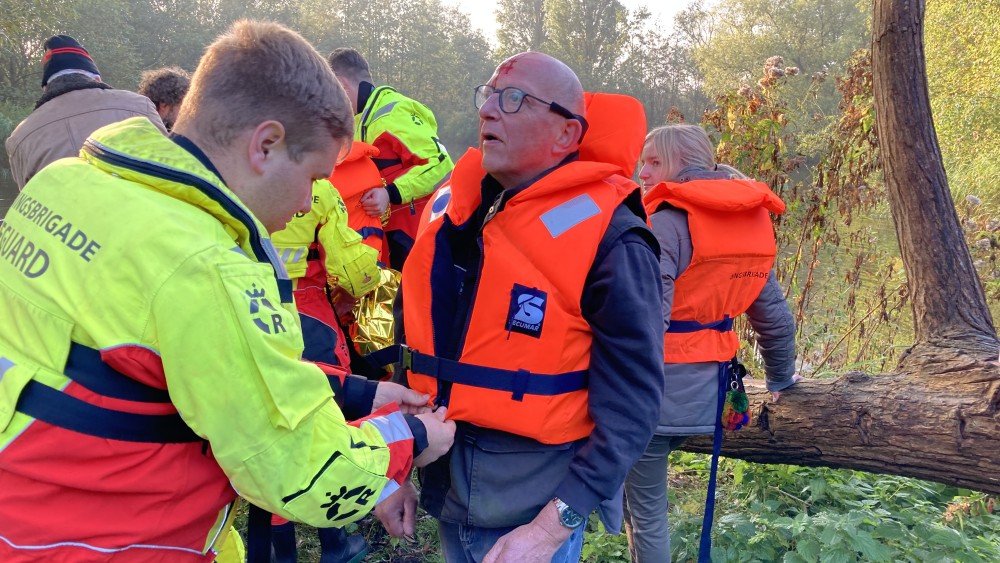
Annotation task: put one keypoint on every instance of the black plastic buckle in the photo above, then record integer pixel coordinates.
(405, 358)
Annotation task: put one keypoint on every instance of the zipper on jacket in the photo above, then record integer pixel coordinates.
(162, 172)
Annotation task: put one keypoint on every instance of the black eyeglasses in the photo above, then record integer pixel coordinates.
(511, 100)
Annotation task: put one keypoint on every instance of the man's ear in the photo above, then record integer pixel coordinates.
(569, 136)
(266, 138)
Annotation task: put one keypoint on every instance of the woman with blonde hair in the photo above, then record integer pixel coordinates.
(717, 253)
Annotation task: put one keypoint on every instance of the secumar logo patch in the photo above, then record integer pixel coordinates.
(527, 310)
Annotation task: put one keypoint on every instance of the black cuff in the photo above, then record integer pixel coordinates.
(394, 195)
(419, 434)
(358, 397)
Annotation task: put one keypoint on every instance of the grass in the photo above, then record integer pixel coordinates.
(769, 513)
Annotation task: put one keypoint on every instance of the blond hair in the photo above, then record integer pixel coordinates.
(261, 71)
(685, 146)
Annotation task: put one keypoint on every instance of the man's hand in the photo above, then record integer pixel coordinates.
(375, 201)
(409, 401)
(440, 435)
(535, 542)
(398, 513)
(776, 394)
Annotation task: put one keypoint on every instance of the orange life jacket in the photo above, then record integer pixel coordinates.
(617, 130)
(734, 249)
(352, 178)
(526, 347)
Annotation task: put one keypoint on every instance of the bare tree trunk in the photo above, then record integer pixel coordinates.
(949, 305)
(912, 423)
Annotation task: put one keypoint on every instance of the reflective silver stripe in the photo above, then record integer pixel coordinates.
(5, 365)
(222, 527)
(383, 110)
(564, 217)
(392, 427)
(238, 250)
(286, 254)
(98, 549)
(298, 254)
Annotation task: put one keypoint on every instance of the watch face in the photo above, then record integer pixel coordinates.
(569, 517)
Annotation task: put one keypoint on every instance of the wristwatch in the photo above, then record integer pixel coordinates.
(567, 516)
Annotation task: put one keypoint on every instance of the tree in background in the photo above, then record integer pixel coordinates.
(730, 38)
(587, 35)
(659, 70)
(963, 74)
(521, 26)
(423, 48)
(935, 415)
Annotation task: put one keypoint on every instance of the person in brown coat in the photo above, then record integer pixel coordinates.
(74, 104)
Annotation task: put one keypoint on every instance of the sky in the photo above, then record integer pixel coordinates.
(482, 12)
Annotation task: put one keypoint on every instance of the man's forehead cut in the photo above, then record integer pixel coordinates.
(507, 66)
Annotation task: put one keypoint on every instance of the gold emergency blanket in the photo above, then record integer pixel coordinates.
(372, 330)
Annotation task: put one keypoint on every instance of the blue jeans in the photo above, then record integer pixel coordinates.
(470, 544)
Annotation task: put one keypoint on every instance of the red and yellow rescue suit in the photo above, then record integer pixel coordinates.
(149, 368)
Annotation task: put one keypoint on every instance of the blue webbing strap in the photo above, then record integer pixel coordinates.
(676, 326)
(85, 366)
(516, 382)
(385, 356)
(44, 403)
(705, 545)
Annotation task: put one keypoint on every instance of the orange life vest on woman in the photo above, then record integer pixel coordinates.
(525, 347)
(734, 250)
(352, 178)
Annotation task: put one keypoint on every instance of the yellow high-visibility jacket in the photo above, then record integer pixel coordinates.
(137, 258)
(405, 131)
(349, 263)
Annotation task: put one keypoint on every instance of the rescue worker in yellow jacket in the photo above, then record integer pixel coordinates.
(150, 359)
(411, 157)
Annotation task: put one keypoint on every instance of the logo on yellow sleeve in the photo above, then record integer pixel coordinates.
(356, 496)
(272, 325)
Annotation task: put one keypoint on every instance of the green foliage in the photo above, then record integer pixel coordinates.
(587, 35)
(818, 514)
(732, 37)
(601, 547)
(520, 26)
(963, 70)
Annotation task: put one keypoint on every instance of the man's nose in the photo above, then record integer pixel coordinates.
(491, 107)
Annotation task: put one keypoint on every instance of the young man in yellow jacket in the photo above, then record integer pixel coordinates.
(150, 364)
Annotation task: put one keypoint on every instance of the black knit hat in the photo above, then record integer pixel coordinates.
(62, 52)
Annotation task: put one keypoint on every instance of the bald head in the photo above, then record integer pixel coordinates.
(553, 80)
(531, 117)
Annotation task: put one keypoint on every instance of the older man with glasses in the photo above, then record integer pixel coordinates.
(526, 312)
